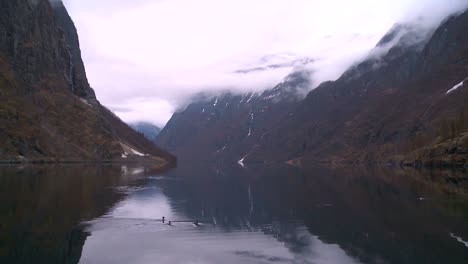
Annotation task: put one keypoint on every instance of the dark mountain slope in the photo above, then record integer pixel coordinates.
(393, 106)
(228, 126)
(48, 111)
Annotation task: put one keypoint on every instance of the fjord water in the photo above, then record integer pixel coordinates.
(260, 214)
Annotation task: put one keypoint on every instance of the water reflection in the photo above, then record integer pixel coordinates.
(261, 214)
(41, 207)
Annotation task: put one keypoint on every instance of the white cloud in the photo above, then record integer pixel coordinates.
(152, 110)
(170, 49)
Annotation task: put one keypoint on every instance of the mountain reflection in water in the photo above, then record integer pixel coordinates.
(261, 214)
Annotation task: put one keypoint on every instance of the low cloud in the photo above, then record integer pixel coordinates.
(151, 56)
(153, 110)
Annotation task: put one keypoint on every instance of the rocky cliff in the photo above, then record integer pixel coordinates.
(48, 111)
(406, 103)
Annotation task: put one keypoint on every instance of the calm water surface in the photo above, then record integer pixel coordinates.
(262, 214)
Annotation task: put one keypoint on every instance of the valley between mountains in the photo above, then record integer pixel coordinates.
(405, 104)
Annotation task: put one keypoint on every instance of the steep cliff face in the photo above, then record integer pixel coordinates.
(77, 78)
(48, 111)
(393, 106)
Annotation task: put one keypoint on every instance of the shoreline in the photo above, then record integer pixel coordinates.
(159, 163)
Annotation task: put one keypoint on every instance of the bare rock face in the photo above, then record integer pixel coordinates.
(77, 76)
(385, 109)
(48, 111)
(40, 40)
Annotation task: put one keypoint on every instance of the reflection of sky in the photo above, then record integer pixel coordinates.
(129, 234)
(190, 245)
(146, 203)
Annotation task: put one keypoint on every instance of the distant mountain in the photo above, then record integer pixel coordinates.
(224, 127)
(48, 111)
(149, 130)
(405, 103)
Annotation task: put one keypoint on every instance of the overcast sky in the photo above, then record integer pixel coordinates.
(145, 58)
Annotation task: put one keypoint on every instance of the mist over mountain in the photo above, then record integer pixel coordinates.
(398, 105)
(197, 49)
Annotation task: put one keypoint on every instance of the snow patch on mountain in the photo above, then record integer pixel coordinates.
(221, 149)
(251, 97)
(459, 239)
(137, 152)
(241, 161)
(84, 101)
(127, 149)
(456, 86)
(250, 124)
(270, 97)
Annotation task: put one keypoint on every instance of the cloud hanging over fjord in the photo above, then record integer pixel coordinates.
(145, 58)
